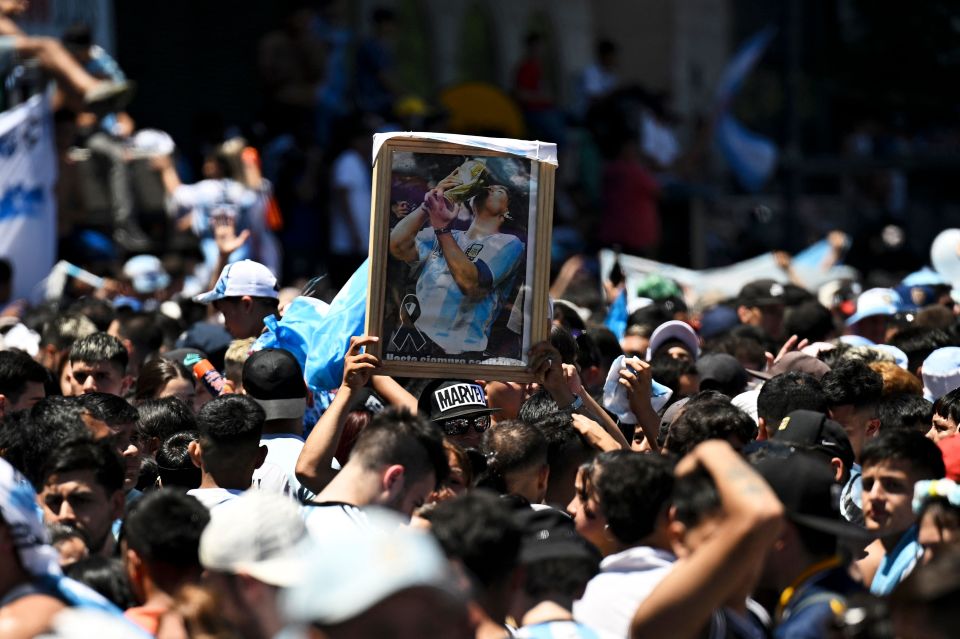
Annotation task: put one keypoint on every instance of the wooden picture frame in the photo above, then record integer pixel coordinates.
(483, 328)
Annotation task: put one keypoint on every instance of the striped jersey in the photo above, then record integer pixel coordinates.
(452, 320)
(559, 630)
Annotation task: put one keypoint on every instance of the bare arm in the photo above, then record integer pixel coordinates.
(313, 465)
(592, 409)
(595, 435)
(465, 273)
(638, 379)
(393, 392)
(403, 236)
(682, 604)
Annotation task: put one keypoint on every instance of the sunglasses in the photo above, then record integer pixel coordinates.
(460, 425)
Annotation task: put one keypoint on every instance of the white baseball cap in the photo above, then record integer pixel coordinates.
(941, 372)
(355, 569)
(147, 274)
(245, 277)
(259, 534)
(674, 329)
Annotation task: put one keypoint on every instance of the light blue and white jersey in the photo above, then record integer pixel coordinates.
(452, 320)
(211, 198)
(559, 630)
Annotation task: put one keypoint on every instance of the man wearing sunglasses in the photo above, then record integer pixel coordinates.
(459, 407)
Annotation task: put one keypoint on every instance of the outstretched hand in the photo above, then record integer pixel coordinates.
(225, 234)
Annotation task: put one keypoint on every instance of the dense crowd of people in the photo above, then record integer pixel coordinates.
(782, 463)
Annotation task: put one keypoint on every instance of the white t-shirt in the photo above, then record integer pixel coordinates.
(213, 497)
(351, 174)
(283, 451)
(333, 519)
(626, 579)
(272, 479)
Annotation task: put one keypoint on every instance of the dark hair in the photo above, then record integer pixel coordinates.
(396, 436)
(479, 529)
(566, 345)
(174, 464)
(705, 420)
(905, 445)
(106, 576)
(97, 311)
(948, 406)
(28, 437)
(566, 448)
(606, 344)
(161, 418)
(567, 316)
(605, 47)
(62, 330)
(353, 424)
(650, 317)
(851, 382)
(917, 342)
(668, 371)
(142, 329)
(109, 408)
(6, 270)
(809, 320)
(59, 533)
(100, 347)
(230, 428)
(79, 35)
(16, 369)
(566, 576)
(633, 490)
(78, 455)
(165, 527)
(905, 411)
(537, 406)
(695, 497)
(155, 374)
(788, 392)
(512, 446)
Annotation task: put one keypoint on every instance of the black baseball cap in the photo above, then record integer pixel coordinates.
(722, 372)
(762, 293)
(272, 377)
(444, 399)
(804, 485)
(548, 533)
(816, 431)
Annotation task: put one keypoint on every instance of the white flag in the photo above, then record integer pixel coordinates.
(28, 208)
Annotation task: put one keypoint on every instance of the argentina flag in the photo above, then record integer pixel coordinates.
(751, 157)
(28, 212)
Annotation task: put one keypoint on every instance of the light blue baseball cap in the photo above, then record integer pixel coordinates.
(875, 301)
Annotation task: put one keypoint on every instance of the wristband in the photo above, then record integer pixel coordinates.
(443, 230)
(576, 404)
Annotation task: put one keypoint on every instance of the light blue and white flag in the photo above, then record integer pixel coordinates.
(751, 157)
(319, 335)
(28, 210)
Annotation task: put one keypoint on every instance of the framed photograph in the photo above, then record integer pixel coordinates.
(459, 255)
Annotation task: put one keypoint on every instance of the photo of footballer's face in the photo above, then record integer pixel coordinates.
(494, 200)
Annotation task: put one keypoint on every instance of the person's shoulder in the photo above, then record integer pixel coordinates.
(28, 616)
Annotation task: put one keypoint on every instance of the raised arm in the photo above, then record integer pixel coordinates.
(682, 604)
(403, 236)
(313, 466)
